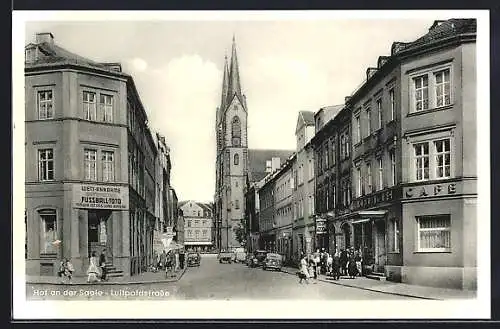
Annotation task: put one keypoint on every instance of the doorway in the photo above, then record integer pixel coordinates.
(346, 230)
(99, 233)
(380, 250)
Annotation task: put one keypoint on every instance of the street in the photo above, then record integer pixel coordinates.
(212, 281)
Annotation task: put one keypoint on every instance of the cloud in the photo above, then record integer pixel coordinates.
(139, 64)
(187, 91)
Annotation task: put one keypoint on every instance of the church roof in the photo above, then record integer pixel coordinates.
(257, 161)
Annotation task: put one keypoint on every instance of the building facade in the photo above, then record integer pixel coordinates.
(438, 110)
(303, 187)
(231, 156)
(283, 217)
(198, 225)
(79, 198)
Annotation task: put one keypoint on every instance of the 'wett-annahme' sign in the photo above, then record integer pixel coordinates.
(96, 196)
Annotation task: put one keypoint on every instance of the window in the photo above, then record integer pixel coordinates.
(190, 233)
(393, 168)
(395, 236)
(311, 204)
(205, 232)
(332, 152)
(421, 85)
(326, 154)
(197, 222)
(46, 165)
(392, 100)
(89, 106)
(30, 55)
(106, 108)
(236, 131)
(236, 184)
(434, 233)
(89, 162)
(237, 204)
(442, 79)
(45, 104)
(369, 174)
(188, 223)
(368, 121)
(108, 165)
(443, 158)
(379, 113)
(48, 231)
(311, 170)
(236, 159)
(421, 161)
(358, 128)
(359, 182)
(380, 174)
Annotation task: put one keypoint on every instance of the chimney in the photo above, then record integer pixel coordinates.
(45, 37)
(346, 99)
(436, 24)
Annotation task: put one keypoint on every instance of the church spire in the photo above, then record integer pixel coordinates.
(225, 81)
(234, 75)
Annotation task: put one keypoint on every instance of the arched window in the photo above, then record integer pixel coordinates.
(236, 159)
(236, 131)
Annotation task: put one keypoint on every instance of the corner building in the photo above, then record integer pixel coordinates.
(78, 192)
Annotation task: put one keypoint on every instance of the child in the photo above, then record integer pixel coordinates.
(66, 270)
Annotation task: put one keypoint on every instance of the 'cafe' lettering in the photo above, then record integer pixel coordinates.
(423, 191)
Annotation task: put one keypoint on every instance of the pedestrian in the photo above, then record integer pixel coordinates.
(102, 265)
(352, 269)
(177, 260)
(168, 264)
(316, 260)
(162, 263)
(182, 257)
(336, 265)
(66, 270)
(358, 259)
(304, 272)
(324, 260)
(343, 262)
(93, 271)
(329, 264)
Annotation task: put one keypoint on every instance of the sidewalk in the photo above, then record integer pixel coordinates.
(395, 288)
(145, 277)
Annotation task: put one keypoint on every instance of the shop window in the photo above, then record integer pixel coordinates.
(48, 230)
(434, 233)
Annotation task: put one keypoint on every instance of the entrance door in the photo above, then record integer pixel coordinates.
(98, 232)
(380, 251)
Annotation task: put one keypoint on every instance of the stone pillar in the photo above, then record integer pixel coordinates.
(84, 237)
(75, 234)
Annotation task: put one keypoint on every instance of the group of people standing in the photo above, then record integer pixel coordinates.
(341, 263)
(97, 268)
(170, 261)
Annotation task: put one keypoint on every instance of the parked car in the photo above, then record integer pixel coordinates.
(193, 259)
(274, 261)
(258, 258)
(225, 257)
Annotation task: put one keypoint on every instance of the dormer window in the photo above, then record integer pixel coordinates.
(30, 54)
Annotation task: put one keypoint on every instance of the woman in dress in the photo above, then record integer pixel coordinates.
(352, 269)
(93, 271)
(304, 270)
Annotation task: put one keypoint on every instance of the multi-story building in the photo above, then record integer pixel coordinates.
(438, 111)
(267, 237)
(303, 187)
(198, 225)
(82, 196)
(231, 155)
(283, 200)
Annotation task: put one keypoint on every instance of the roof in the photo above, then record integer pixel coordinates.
(53, 54)
(257, 161)
(308, 117)
(441, 30)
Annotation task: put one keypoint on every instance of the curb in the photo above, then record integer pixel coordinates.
(371, 289)
(181, 274)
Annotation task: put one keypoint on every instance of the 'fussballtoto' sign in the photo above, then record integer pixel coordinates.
(97, 196)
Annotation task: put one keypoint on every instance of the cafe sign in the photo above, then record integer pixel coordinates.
(97, 196)
(321, 225)
(432, 190)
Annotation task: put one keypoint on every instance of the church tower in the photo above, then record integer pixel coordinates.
(231, 155)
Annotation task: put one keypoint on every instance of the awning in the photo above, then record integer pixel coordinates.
(362, 220)
(368, 215)
(194, 243)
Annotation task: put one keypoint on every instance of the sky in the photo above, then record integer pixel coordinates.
(286, 66)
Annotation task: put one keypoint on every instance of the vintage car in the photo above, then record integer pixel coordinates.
(273, 261)
(240, 255)
(193, 259)
(225, 257)
(258, 258)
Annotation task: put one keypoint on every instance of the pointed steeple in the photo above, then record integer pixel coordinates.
(225, 85)
(234, 75)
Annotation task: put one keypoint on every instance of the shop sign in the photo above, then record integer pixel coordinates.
(433, 190)
(97, 196)
(376, 198)
(321, 226)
